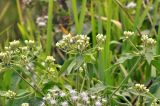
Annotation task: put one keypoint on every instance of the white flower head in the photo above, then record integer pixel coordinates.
(141, 88)
(131, 5)
(72, 92)
(128, 34)
(62, 94)
(53, 101)
(84, 96)
(65, 103)
(74, 98)
(14, 44)
(25, 104)
(49, 59)
(10, 94)
(98, 103)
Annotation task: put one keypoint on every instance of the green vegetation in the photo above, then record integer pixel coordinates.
(79, 53)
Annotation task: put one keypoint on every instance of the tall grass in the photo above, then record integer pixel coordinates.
(50, 40)
(107, 52)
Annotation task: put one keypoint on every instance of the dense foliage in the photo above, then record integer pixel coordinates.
(79, 53)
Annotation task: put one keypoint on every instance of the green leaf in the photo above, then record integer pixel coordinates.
(7, 77)
(89, 58)
(149, 57)
(68, 65)
(156, 64)
(22, 92)
(79, 61)
(97, 88)
(124, 57)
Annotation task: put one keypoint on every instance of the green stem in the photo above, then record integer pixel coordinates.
(75, 14)
(83, 81)
(19, 11)
(37, 90)
(49, 28)
(82, 16)
(93, 24)
(129, 74)
(133, 46)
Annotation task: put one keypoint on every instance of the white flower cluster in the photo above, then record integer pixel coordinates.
(49, 59)
(148, 42)
(14, 44)
(29, 42)
(100, 38)
(10, 94)
(154, 103)
(42, 21)
(25, 104)
(73, 43)
(15, 50)
(141, 88)
(78, 43)
(73, 98)
(5, 57)
(128, 34)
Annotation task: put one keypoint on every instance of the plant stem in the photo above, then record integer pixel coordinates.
(82, 16)
(75, 14)
(19, 11)
(133, 46)
(93, 24)
(49, 28)
(37, 90)
(129, 74)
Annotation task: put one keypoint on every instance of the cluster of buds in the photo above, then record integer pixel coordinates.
(42, 21)
(73, 43)
(24, 49)
(25, 104)
(141, 88)
(20, 54)
(14, 44)
(5, 57)
(154, 103)
(29, 42)
(49, 59)
(148, 42)
(78, 43)
(10, 94)
(128, 34)
(73, 98)
(100, 38)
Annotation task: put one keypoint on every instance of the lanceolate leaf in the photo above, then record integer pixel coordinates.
(125, 57)
(156, 64)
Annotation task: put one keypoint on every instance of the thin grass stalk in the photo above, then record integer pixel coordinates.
(4, 10)
(19, 12)
(75, 14)
(144, 14)
(126, 78)
(107, 52)
(49, 28)
(93, 24)
(155, 14)
(82, 16)
(100, 13)
(158, 41)
(138, 8)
